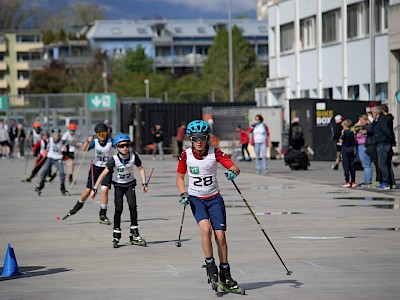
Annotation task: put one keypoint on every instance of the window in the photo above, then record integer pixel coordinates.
(23, 75)
(28, 38)
(287, 37)
(142, 30)
(328, 93)
(353, 92)
(305, 94)
(331, 26)
(262, 50)
(358, 20)
(381, 91)
(307, 33)
(381, 19)
(178, 30)
(22, 56)
(201, 30)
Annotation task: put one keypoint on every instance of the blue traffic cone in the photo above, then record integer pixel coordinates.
(10, 267)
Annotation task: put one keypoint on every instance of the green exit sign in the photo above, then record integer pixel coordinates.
(101, 101)
(3, 103)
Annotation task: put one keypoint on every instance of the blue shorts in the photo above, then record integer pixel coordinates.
(212, 209)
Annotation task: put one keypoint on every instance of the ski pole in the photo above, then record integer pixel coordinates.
(92, 171)
(262, 229)
(72, 183)
(151, 173)
(178, 243)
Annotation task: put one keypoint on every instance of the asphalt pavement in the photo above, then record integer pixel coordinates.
(340, 243)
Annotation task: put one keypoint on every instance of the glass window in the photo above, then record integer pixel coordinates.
(287, 37)
(381, 91)
(305, 94)
(201, 30)
(142, 30)
(328, 93)
(331, 26)
(381, 19)
(307, 33)
(353, 92)
(358, 20)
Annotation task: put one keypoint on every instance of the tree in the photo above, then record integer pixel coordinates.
(50, 80)
(246, 74)
(189, 88)
(15, 14)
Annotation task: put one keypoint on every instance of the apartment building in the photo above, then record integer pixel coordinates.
(15, 47)
(173, 44)
(336, 49)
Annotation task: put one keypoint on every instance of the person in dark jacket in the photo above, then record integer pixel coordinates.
(296, 134)
(158, 138)
(382, 137)
(371, 147)
(336, 129)
(348, 143)
(389, 120)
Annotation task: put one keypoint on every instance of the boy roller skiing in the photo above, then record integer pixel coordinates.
(104, 150)
(121, 167)
(54, 157)
(208, 208)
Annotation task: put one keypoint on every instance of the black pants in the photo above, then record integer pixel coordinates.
(129, 192)
(348, 164)
(180, 147)
(39, 164)
(244, 148)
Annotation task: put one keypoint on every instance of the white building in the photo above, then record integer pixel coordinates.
(262, 9)
(323, 49)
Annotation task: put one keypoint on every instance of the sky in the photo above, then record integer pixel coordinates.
(167, 9)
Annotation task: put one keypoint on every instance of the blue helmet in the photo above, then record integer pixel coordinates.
(198, 127)
(121, 138)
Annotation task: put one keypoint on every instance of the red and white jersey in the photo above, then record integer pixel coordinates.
(202, 174)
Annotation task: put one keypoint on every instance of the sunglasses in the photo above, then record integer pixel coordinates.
(201, 138)
(102, 133)
(124, 145)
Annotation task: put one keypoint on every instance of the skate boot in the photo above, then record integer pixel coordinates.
(135, 237)
(74, 210)
(116, 237)
(64, 192)
(103, 217)
(227, 283)
(51, 177)
(39, 188)
(212, 275)
(28, 179)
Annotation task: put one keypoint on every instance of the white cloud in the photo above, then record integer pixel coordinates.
(213, 5)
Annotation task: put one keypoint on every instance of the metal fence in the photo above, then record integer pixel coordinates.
(59, 110)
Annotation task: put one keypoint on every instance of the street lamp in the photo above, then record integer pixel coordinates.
(231, 97)
(147, 82)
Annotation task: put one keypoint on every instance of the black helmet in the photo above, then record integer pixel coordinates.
(101, 127)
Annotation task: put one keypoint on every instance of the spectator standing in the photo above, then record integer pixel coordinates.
(296, 134)
(13, 133)
(336, 130)
(108, 124)
(347, 141)
(4, 141)
(21, 140)
(244, 141)
(361, 139)
(158, 138)
(389, 120)
(371, 147)
(260, 139)
(382, 137)
(180, 135)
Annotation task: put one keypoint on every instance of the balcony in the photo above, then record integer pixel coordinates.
(22, 66)
(3, 84)
(3, 66)
(3, 47)
(189, 60)
(22, 83)
(25, 47)
(163, 40)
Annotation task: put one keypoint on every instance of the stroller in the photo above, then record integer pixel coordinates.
(297, 159)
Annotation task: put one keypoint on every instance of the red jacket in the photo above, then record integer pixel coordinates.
(244, 137)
